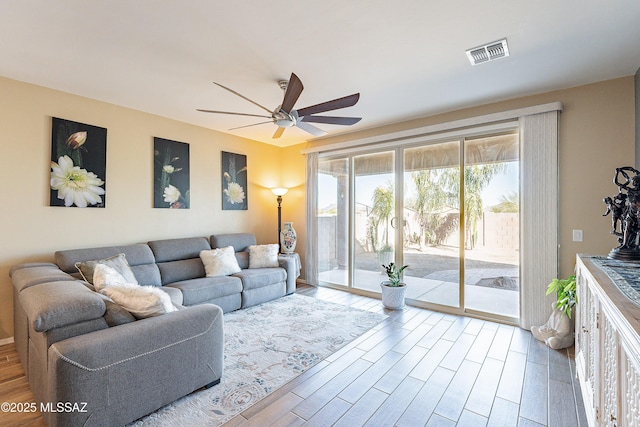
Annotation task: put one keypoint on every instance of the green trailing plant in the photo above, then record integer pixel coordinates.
(565, 290)
(394, 273)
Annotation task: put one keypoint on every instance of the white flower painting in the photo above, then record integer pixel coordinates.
(234, 181)
(171, 174)
(78, 164)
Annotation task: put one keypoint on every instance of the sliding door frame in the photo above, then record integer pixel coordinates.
(538, 129)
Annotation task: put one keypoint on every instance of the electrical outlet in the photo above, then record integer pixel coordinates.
(577, 235)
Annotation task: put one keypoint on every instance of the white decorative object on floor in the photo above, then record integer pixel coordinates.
(557, 333)
(288, 238)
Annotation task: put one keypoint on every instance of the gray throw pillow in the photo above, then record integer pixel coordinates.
(117, 262)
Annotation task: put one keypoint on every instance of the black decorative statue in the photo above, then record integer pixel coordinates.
(625, 210)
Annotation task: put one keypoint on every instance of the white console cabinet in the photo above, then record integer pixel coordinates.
(607, 348)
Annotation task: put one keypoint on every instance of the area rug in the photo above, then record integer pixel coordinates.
(265, 347)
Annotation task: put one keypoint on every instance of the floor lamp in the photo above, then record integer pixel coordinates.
(279, 192)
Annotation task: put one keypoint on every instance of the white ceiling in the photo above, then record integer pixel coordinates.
(406, 58)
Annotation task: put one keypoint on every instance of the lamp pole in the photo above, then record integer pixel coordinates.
(279, 199)
(279, 192)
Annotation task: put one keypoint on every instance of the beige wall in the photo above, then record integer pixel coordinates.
(31, 230)
(597, 131)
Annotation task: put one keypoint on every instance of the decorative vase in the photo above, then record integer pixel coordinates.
(288, 238)
(393, 296)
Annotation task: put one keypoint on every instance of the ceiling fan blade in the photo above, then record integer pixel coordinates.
(294, 89)
(335, 104)
(244, 97)
(278, 133)
(254, 124)
(332, 120)
(310, 129)
(235, 114)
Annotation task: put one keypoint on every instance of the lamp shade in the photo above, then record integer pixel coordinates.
(279, 191)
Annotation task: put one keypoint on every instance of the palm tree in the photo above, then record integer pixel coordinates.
(382, 210)
(431, 200)
(509, 203)
(439, 189)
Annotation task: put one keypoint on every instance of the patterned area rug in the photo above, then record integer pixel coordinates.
(266, 346)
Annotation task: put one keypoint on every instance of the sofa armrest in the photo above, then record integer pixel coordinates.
(151, 362)
(57, 304)
(291, 264)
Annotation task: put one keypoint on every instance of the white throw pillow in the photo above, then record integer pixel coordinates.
(220, 261)
(263, 256)
(141, 301)
(104, 276)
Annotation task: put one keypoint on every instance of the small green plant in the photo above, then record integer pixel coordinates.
(394, 274)
(565, 290)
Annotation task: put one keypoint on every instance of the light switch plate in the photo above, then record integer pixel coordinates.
(577, 235)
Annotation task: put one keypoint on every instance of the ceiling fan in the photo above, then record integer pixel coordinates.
(285, 116)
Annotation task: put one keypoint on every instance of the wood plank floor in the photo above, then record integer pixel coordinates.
(421, 367)
(418, 367)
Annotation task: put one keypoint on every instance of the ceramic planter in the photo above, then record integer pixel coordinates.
(393, 296)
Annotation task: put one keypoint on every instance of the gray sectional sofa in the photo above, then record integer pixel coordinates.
(81, 349)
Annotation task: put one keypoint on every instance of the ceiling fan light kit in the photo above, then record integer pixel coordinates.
(284, 116)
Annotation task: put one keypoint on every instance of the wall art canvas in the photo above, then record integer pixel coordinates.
(171, 174)
(234, 181)
(78, 164)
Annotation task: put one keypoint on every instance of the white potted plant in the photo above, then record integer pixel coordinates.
(393, 289)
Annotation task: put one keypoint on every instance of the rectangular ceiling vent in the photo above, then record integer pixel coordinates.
(488, 52)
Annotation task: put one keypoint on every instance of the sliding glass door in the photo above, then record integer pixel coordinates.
(449, 209)
(333, 221)
(431, 213)
(492, 225)
(374, 212)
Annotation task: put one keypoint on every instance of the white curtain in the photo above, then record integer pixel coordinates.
(539, 215)
(311, 254)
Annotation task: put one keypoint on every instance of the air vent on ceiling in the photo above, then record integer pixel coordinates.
(488, 52)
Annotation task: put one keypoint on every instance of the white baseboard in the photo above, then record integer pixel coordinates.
(6, 341)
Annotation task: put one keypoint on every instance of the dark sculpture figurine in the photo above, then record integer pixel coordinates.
(625, 210)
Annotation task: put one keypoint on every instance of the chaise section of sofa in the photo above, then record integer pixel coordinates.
(129, 371)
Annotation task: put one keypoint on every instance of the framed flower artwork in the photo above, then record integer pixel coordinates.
(78, 164)
(234, 181)
(170, 174)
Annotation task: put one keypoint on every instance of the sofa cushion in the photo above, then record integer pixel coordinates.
(177, 271)
(175, 294)
(243, 259)
(219, 262)
(196, 291)
(139, 257)
(261, 277)
(117, 262)
(261, 256)
(239, 241)
(178, 249)
(57, 304)
(141, 301)
(116, 315)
